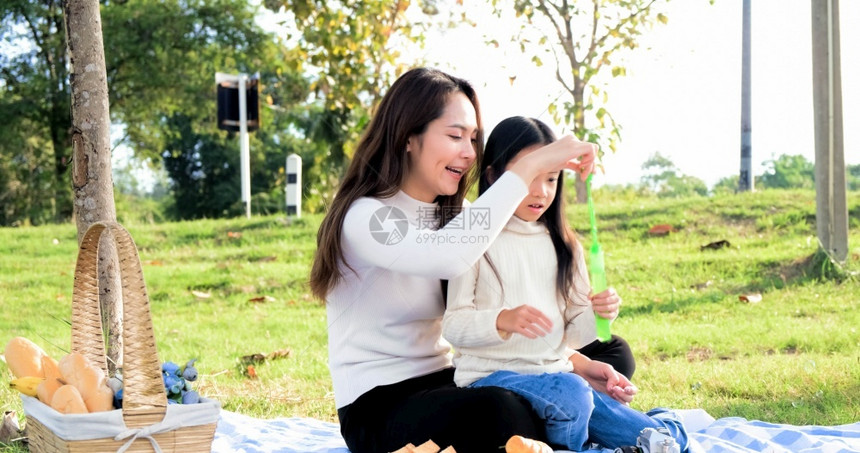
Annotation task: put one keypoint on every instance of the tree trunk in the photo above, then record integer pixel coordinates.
(92, 181)
(579, 128)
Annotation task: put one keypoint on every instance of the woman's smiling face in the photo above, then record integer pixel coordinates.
(441, 156)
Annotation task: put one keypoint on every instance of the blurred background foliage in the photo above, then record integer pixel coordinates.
(322, 68)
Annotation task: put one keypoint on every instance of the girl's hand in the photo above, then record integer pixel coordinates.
(603, 378)
(524, 320)
(606, 304)
(567, 152)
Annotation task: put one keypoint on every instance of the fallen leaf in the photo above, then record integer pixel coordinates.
(200, 294)
(266, 259)
(701, 286)
(753, 298)
(258, 357)
(716, 245)
(9, 428)
(661, 230)
(279, 354)
(261, 299)
(698, 354)
(234, 234)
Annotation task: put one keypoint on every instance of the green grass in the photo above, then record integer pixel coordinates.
(792, 358)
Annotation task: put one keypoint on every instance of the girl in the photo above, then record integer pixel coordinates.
(380, 258)
(517, 317)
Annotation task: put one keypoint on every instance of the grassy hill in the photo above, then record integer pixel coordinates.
(222, 290)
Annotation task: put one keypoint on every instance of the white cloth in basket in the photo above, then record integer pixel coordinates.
(109, 424)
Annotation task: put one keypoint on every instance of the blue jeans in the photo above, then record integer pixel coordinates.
(576, 414)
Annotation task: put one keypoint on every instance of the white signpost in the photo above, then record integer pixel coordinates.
(294, 185)
(227, 83)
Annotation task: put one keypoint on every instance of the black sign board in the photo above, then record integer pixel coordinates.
(228, 105)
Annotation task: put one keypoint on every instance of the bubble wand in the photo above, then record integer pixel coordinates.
(596, 270)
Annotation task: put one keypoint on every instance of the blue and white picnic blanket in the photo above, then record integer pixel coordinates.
(238, 433)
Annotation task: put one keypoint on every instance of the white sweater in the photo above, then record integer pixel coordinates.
(526, 261)
(385, 315)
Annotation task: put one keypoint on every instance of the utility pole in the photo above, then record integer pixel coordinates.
(244, 148)
(831, 214)
(746, 182)
(239, 111)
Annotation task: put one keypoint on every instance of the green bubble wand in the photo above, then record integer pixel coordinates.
(596, 269)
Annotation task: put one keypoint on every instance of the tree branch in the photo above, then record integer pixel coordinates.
(593, 45)
(562, 81)
(36, 37)
(606, 55)
(565, 40)
(617, 28)
(119, 142)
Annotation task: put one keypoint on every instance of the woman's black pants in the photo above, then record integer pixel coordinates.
(433, 408)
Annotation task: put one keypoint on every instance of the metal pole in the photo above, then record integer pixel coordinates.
(245, 157)
(746, 182)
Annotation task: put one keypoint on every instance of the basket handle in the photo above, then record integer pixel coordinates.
(143, 384)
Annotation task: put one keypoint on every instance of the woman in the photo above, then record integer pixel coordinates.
(395, 229)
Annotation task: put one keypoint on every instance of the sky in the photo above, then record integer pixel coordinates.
(681, 95)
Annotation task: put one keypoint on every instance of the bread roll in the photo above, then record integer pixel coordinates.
(101, 399)
(53, 380)
(519, 444)
(78, 371)
(67, 400)
(24, 358)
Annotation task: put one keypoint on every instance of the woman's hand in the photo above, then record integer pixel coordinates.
(567, 152)
(606, 304)
(603, 378)
(524, 320)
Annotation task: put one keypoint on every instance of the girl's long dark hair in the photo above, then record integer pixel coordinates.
(418, 97)
(508, 138)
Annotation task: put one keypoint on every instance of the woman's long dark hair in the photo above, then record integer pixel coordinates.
(418, 97)
(508, 138)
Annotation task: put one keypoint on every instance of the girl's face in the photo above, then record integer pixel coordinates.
(440, 157)
(541, 191)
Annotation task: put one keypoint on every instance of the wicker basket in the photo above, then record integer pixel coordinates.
(144, 397)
